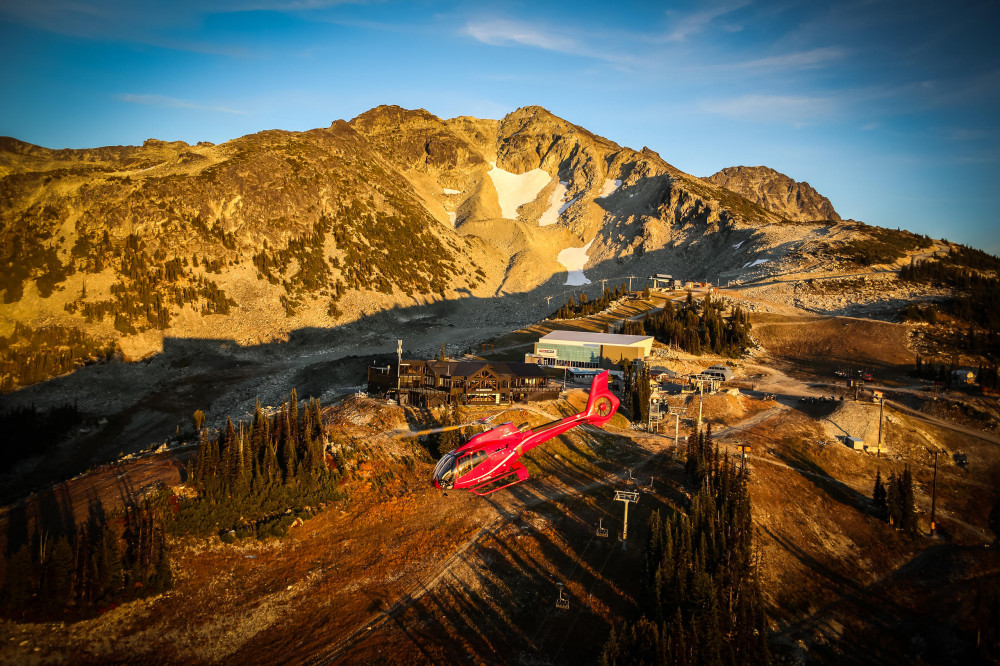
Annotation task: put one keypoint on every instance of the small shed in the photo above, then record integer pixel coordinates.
(856, 443)
(660, 373)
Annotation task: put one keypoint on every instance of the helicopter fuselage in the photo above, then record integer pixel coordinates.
(491, 460)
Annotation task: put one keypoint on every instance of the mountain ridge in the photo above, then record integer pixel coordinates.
(279, 230)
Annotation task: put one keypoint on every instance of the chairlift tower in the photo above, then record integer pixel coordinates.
(626, 496)
(743, 447)
(654, 414)
(399, 366)
(676, 413)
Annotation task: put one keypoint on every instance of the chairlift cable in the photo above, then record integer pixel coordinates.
(590, 591)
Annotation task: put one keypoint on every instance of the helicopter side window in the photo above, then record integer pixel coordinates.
(467, 462)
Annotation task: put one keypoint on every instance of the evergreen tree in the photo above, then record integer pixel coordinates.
(894, 500)
(880, 497)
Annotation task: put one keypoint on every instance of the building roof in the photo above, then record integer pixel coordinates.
(469, 368)
(518, 368)
(595, 338)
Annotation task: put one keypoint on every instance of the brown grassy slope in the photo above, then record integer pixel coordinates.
(841, 582)
(821, 345)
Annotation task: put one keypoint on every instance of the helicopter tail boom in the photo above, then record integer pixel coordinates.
(601, 406)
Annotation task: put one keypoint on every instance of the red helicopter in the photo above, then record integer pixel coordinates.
(490, 461)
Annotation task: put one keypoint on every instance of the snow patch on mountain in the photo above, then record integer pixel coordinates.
(514, 190)
(557, 205)
(574, 259)
(551, 214)
(610, 186)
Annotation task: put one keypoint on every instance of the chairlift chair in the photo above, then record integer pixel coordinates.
(562, 602)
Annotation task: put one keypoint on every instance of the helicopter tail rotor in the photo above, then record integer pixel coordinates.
(602, 403)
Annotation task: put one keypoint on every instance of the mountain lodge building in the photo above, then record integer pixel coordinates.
(434, 383)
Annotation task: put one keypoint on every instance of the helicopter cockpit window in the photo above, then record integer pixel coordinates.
(444, 472)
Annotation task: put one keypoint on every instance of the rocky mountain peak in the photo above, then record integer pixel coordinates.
(388, 115)
(797, 201)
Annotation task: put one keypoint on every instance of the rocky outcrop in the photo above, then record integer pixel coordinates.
(793, 200)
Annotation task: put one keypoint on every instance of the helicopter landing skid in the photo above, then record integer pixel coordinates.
(517, 474)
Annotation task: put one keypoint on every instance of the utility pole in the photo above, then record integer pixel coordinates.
(548, 301)
(626, 497)
(878, 453)
(934, 494)
(701, 399)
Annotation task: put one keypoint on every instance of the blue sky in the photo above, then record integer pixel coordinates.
(888, 108)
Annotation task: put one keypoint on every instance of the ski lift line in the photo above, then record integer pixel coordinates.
(579, 611)
(534, 639)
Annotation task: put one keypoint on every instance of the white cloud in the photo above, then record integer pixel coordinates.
(502, 32)
(172, 103)
(794, 109)
(683, 26)
(795, 60)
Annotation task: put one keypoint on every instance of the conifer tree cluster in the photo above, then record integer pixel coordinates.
(106, 560)
(29, 432)
(255, 479)
(894, 500)
(586, 307)
(944, 373)
(968, 272)
(30, 355)
(703, 603)
(881, 245)
(24, 254)
(642, 392)
(148, 285)
(988, 376)
(696, 328)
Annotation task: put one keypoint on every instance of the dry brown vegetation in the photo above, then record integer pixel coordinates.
(821, 344)
(402, 573)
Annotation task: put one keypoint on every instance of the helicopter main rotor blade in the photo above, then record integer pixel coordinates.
(431, 431)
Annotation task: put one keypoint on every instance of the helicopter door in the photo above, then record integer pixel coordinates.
(469, 461)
